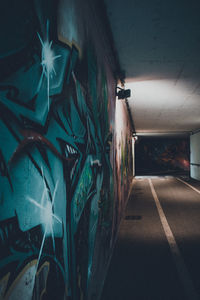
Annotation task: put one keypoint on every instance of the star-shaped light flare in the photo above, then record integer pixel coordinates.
(47, 215)
(47, 61)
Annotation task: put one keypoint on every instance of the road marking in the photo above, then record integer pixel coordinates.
(184, 276)
(196, 190)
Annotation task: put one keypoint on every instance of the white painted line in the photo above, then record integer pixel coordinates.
(184, 276)
(198, 191)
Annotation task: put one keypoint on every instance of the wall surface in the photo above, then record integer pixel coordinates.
(65, 150)
(133, 154)
(195, 156)
(162, 155)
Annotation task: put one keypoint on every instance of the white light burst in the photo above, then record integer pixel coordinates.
(47, 61)
(47, 215)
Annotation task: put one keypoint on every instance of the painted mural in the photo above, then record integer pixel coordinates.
(57, 153)
(162, 155)
(123, 158)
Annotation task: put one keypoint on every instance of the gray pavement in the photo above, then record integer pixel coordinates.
(157, 254)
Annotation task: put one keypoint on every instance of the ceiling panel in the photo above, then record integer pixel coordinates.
(158, 43)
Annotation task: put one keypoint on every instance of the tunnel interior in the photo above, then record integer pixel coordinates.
(162, 156)
(68, 154)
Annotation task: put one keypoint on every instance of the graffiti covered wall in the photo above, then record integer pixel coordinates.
(65, 165)
(162, 155)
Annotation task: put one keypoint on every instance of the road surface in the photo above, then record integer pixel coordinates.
(157, 254)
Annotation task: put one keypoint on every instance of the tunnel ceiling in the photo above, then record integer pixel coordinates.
(158, 43)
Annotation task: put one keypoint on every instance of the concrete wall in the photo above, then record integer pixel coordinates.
(64, 160)
(133, 154)
(195, 156)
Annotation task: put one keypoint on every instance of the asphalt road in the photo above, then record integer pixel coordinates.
(157, 254)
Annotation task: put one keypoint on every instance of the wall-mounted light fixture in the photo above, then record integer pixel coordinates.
(135, 137)
(122, 93)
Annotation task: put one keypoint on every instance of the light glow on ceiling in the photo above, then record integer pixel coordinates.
(164, 105)
(159, 92)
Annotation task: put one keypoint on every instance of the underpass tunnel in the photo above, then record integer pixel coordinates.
(156, 255)
(162, 156)
(99, 150)
(167, 155)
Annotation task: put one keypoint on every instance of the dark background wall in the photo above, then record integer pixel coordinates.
(162, 155)
(64, 160)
